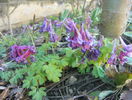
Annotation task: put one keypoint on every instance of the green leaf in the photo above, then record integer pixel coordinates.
(129, 34)
(98, 71)
(33, 91)
(6, 75)
(39, 79)
(34, 81)
(2, 51)
(63, 63)
(37, 93)
(52, 73)
(95, 93)
(26, 84)
(83, 68)
(95, 15)
(104, 94)
(64, 14)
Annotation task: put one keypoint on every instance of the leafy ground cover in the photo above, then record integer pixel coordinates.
(64, 57)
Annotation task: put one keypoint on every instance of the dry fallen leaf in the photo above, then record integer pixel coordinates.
(4, 94)
(128, 83)
(111, 71)
(2, 83)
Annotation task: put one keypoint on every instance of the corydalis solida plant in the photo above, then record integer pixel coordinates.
(53, 35)
(113, 59)
(124, 52)
(83, 39)
(57, 23)
(22, 54)
(47, 27)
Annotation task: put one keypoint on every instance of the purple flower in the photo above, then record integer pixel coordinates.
(82, 60)
(30, 27)
(24, 28)
(122, 58)
(47, 27)
(22, 53)
(53, 36)
(44, 27)
(87, 38)
(88, 21)
(76, 40)
(81, 38)
(126, 52)
(93, 54)
(69, 25)
(57, 23)
(112, 60)
(128, 48)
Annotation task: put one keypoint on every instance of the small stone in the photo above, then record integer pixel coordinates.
(70, 91)
(72, 80)
(2, 87)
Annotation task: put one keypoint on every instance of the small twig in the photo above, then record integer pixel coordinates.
(95, 88)
(87, 83)
(60, 81)
(13, 10)
(113, 96)
(61, 95)
(71, 84)
(84, 6)
(56, 97)
(9, 23)
(118, 93)
(34, 17)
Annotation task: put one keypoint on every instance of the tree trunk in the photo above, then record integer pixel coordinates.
(114, 17)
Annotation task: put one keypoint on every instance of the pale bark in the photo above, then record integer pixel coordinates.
(114, 17)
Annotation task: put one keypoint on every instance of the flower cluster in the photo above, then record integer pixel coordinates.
(47, 27)
(83, 39)
(113, 59)
(126, 51)
(22, 54)
(57, 23)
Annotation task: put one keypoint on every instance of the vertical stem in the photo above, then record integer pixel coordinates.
(9, 21)
(84, 6)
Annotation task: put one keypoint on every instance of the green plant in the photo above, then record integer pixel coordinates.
(2, 51)
(8, 40)
(95, 16)
(52, 58)
(36, 74)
